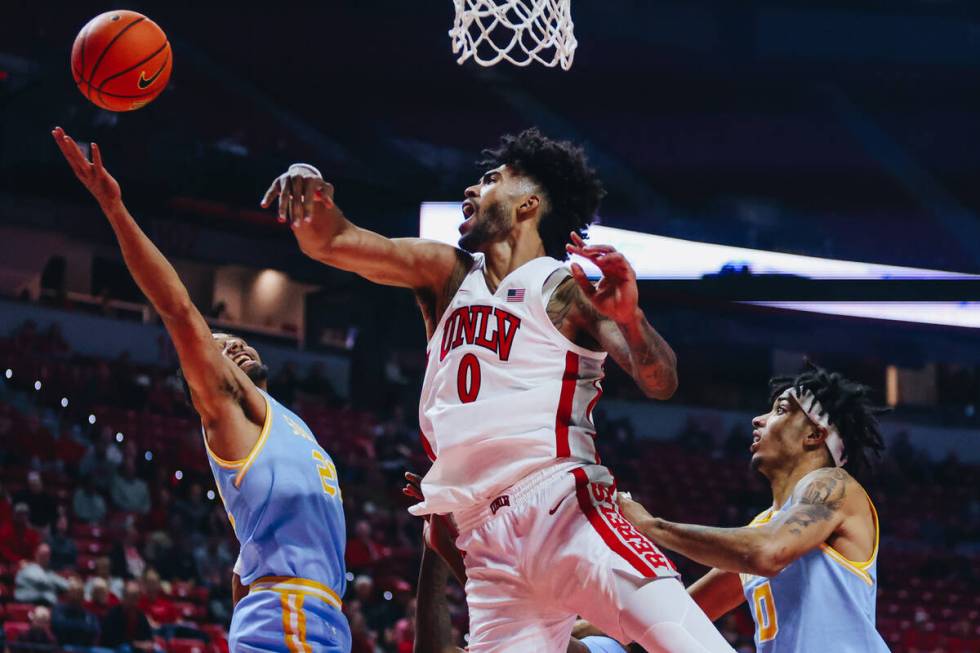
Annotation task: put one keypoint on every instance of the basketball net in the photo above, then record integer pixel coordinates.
(518, 31)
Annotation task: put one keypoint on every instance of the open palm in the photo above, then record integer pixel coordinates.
(92, 174)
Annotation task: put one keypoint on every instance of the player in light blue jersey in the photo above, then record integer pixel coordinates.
(278, 485)
(807, 565)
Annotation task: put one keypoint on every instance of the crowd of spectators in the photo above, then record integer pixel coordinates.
(115, 540)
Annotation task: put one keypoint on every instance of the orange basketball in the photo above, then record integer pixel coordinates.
(121, 60)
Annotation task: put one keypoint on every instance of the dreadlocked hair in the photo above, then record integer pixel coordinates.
(571, 187)
(849, 407)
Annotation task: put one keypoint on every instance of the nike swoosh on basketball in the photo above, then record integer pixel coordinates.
(552, 511)
(143, 82)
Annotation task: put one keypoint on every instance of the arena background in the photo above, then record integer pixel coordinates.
(844, 131)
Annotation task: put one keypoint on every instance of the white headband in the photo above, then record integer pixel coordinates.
(816, 414)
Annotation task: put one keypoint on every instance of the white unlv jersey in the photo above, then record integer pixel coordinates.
(505, 393)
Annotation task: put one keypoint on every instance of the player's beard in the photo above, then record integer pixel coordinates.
(259, 373)
(491, 227)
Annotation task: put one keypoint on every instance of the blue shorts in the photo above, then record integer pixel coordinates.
(289, 616)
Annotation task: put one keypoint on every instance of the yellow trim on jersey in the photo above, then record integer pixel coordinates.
(227, 464)
(236, 464)
(263, 436)
(289, 585)
(763, 517)
(858, 568)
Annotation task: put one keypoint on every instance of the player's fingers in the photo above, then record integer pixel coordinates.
(285, 197)
(583, 281)
(577, 239)
(325, 192)
(614, 264)
(310, 186)
(412, 492)
(96, 156)
(296, 198)
(73, 155)
(270, 194)
(413, 478)
(599, 249)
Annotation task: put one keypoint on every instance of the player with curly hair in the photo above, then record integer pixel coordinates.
(807, 566)
(517, 341)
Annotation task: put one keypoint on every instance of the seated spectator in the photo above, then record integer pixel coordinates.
(127, 560)
(35, 582)
(72, 623)
(100, 600)
(159, 609)
(101, 460)
(6, 505)
(129, 492)
(317, 385)
(103, 572)
(362, 550)
(43, 507)
(18, 540)
(39, 637)
(180, 565)
(193, 508)
(87, 504)
(211, 558)
(64, 553)
(125, 624)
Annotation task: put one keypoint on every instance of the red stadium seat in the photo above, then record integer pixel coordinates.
(214, 631)
(19, 611)
(13, 630)
(187, 646)
(191, 611)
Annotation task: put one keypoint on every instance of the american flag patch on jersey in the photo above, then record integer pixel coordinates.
(515, 295)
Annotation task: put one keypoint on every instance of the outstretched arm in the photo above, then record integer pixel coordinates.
(717, 593)
(324, 233)
(762, 550)
(609, 313)
(218, 388)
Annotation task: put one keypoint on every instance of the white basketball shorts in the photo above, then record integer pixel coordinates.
(554, 546)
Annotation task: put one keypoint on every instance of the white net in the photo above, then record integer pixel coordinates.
(518, 31)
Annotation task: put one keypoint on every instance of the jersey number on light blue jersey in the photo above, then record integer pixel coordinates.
(765, 612)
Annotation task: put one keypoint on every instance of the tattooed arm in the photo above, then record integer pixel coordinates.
(607, 316)
(819, 510)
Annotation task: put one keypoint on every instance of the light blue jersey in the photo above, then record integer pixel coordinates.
(284, 502)
(602, 644)
(820, 602)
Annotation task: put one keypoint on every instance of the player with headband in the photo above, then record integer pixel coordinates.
(807, 565)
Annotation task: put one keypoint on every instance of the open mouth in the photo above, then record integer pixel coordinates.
(468, 209)
(243, 360)
(756, 439)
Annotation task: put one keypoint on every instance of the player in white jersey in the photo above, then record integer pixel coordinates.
(807, 565)
(433, 631)
(516, 346)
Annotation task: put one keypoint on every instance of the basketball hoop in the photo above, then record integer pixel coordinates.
(519, 31)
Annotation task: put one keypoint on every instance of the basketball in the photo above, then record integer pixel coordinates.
(121, 60)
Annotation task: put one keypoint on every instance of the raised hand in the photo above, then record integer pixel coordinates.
(92, 174)
(615, 295)
(298, 189)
